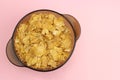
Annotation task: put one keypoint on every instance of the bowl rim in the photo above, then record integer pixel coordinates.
(34, 12)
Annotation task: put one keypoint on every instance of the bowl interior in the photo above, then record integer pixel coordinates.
(26, 18)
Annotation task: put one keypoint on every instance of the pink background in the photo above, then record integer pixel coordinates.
(97, 52)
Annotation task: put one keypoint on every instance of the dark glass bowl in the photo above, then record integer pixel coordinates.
(10, 50)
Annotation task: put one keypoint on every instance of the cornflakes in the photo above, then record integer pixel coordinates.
(44, 42)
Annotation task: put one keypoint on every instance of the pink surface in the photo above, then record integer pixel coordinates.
(97, 52)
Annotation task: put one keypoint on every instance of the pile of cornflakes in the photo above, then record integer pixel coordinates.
(44, 42)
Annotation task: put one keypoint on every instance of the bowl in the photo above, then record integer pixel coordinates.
(43, 40)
